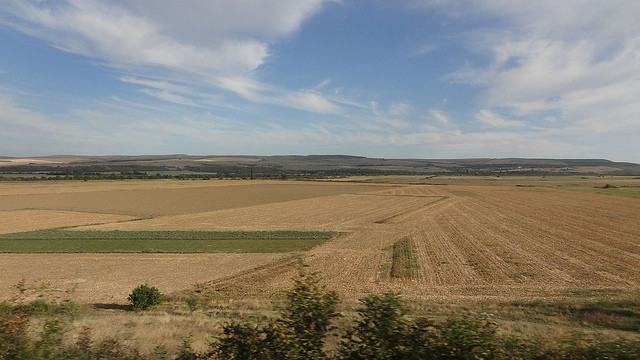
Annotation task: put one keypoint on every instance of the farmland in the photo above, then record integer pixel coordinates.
(466, 241)
(463, 241)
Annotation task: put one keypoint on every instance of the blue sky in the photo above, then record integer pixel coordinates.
(395, 79)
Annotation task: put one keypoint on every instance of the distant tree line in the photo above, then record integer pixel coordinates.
(117, 171)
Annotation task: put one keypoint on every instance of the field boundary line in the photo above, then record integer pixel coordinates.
(71, 228)
(400, 195)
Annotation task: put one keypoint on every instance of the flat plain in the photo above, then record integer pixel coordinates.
(454, 242)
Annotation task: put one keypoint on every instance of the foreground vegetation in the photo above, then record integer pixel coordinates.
(60, 241)
(307, 329)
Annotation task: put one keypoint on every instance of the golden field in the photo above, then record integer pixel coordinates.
(464, 241)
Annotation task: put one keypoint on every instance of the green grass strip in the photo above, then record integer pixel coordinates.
(60, 241)
(625, 191)
(404, 263)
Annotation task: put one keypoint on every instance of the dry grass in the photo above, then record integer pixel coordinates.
(109, 278)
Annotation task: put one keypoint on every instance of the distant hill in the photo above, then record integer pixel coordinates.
(309, 166)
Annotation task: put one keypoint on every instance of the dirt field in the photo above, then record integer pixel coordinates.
(468, 242)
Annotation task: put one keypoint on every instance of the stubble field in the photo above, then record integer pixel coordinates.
(448, 242)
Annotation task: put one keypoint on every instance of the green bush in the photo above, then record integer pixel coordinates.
(306, 318)
(380, 333)
(144, 297)
(383, 332)
(300, 332)
(14, 341)
(242, 341)
(466, 338)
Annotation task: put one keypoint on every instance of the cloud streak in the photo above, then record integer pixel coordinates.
(215, 44)
(557, 56)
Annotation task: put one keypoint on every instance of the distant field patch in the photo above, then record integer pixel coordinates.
(632, 192)
(159, 198)
(59, 241)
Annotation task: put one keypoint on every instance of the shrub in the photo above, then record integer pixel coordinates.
(144, 297)
(306, 318)
(380, 333)
(466, 338)
(242, 341)
(298, 334)
(384, 333)
(14, 342)
(50, 344)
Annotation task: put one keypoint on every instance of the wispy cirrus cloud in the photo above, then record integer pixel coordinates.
(568, 61)
(555, 56)
(159, 130)
(214, 44)
(440, 117)
(492, 119)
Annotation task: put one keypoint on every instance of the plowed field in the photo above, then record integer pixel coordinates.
(460, 242)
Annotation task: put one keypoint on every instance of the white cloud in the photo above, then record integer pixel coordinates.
(309, 101)
(492, 119)
(189, 20)
(169, 96)
(219, 44)
(163, 85)
(399, 109)
(440, 117)
(579, 61)
(125, 128)
(118, 36)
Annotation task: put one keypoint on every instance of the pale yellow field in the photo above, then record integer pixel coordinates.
(29, 220)
(39, 161)
(468, 242)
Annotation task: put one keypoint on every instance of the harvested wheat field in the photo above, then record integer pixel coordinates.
(28, 220)
(155, 198)
(427, 242)
(108, 278)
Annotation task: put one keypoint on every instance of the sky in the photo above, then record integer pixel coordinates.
(393, 79)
